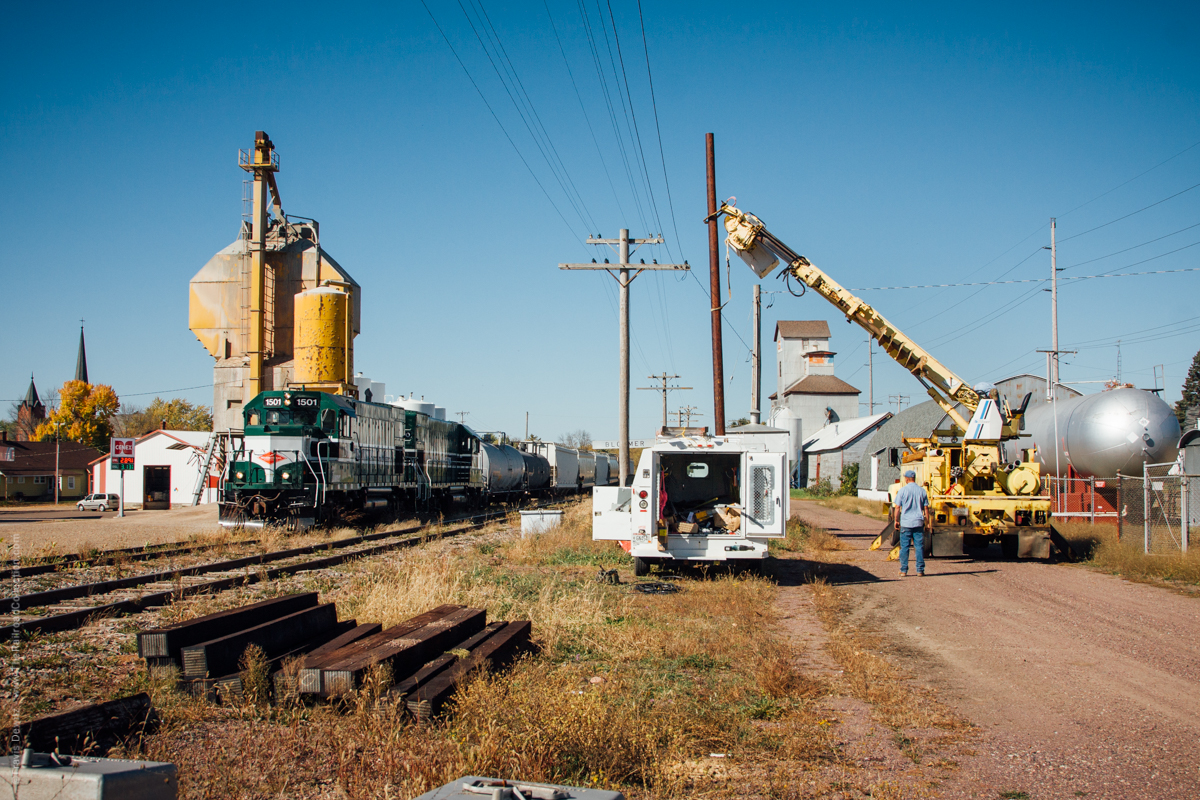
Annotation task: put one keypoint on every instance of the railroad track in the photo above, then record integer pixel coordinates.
(108, 557)
(158, 588)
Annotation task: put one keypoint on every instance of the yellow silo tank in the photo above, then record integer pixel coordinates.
(322, 337)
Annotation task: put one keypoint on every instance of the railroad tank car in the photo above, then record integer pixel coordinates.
(537, 472)
(1105, 433)
(503, 468)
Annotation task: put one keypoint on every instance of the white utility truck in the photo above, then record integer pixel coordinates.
(699, 499)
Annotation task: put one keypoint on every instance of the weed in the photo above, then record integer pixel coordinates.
(1102, 549)
(1014, 794)
(256, 684)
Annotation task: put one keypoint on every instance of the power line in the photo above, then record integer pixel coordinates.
(1135, 247)
(535, 127)
(1067, 278)
(1131, 180)
(583, 108)
(1127, 216)
(657, 127)
(1133, 333)
(492, 111)
(633, 117)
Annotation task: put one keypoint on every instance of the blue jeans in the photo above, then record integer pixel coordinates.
(915, 538)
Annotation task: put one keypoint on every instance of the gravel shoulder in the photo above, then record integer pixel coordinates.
(110, 532)
(1080, 683)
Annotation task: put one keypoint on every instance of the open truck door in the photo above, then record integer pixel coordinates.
(612, 513)
(765, 495)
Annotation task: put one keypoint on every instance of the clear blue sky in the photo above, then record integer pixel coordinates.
(892, 147)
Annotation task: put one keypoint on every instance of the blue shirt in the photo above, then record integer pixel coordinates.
(912, 502)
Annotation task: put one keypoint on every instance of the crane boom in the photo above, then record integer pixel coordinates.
(747, 233)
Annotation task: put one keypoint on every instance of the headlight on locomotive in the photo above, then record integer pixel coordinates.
(287, 476)
(240, 476)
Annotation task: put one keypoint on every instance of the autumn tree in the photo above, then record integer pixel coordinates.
(1190, 402)
(175, 415)
(84, 415)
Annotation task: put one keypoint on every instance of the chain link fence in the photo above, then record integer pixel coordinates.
(1161, 509)
(1081, 499)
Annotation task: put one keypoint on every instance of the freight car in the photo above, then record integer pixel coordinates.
(309, 456)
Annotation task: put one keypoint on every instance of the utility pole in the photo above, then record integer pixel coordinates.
(871, 375)
(714, 284)
(527, 426)
(623, 279)
(664, 389)
(688, 412)
(756, 362)
(1054, 353)
(462, 418)
(57, 449)
(900, 400)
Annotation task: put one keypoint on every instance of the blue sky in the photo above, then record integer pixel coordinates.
(893, 148)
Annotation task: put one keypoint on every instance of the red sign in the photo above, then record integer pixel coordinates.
(272, 457)
(121, 451)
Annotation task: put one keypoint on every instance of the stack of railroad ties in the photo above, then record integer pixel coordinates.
(310, 652)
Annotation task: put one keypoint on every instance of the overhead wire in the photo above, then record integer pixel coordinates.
(527, 113)
(496, 117)
(597, 62)
(583, 108)
(1131, 180)
(631, 116)
(1127, 216)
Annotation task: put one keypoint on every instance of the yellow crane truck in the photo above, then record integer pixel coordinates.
(984, 486)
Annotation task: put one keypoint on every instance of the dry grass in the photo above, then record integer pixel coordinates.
(1127, 557)
(802, 537)
(850, 504)
(626, 690)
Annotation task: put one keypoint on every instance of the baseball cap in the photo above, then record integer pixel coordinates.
(910, 474)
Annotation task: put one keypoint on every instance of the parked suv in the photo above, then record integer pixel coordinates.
(99, 502)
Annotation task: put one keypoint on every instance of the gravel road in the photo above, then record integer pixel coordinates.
(1083, 684)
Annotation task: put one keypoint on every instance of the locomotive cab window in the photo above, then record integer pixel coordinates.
(276, 417)
(329, 421)
(253, 418)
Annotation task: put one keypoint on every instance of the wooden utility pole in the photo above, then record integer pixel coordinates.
(623, 278)
(756, 362)
(714, 284)
(664, 389)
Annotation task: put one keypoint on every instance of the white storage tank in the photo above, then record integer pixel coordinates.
(439, 412)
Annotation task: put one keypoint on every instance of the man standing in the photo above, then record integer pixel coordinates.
(911, 515)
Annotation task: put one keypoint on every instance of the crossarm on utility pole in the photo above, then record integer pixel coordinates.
(946, 388)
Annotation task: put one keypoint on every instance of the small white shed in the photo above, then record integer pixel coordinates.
(166, 469)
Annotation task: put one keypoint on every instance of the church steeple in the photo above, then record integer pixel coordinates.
(31, 396)
(30, 414)
(81, 360)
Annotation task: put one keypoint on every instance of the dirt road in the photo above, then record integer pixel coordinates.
(1083, 684)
